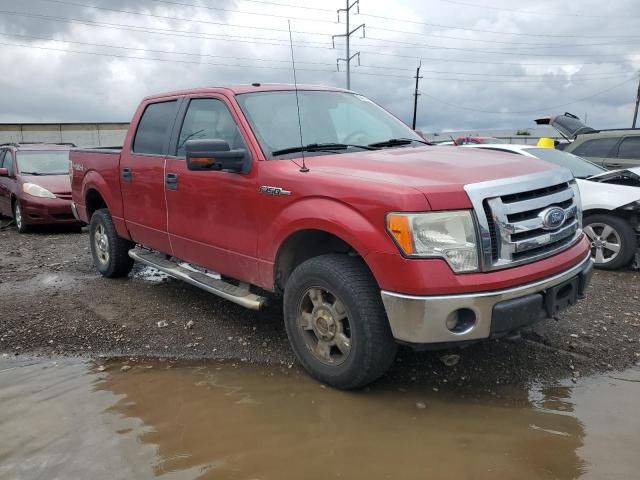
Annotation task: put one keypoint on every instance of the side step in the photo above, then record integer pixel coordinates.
(239, 295)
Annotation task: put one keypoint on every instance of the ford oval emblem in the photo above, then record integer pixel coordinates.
(552, 218)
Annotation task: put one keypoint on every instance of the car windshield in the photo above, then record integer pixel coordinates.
(580, 167)
(43, 162)
(326, 118)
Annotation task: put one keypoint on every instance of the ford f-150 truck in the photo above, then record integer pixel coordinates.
(372, 237)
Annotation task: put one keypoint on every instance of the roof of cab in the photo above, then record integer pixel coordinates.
(250, 88)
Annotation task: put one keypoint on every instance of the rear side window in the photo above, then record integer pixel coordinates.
(630, 148)
(598, 147)
(154, 128)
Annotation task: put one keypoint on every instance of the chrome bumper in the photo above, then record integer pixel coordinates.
(422, 320)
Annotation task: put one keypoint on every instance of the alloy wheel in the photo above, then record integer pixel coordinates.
(325, 327)
(605, 242)
(101, 242)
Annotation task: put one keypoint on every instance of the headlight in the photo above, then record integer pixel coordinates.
(449, 235)
(578, 201)
(37, 191)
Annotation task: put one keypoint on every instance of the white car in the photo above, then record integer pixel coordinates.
(610, 203)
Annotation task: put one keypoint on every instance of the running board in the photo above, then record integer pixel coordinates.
(228, 291)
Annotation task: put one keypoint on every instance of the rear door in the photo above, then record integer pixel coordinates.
(628, 154)
(212, 214)
(142, 166)
(599, 150)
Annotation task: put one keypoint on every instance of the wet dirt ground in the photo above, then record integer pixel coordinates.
(67, 418)
(54, 303)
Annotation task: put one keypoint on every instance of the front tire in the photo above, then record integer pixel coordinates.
(18, 217)
(613, 241)
(110, 252)
(336, 322)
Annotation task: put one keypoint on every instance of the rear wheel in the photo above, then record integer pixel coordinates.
(613, 241)
(336, 322)
(110, 252)
(19, 218)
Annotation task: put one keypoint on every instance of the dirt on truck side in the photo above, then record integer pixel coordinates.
(55, 303)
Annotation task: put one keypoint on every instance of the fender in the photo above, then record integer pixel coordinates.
(606, 196)
(93, 180)
(324, 214)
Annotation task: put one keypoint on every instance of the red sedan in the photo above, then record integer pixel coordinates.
(34, 185)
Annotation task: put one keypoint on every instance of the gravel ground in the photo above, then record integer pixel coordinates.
(54, 303)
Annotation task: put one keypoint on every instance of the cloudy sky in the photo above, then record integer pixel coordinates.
(485, 63)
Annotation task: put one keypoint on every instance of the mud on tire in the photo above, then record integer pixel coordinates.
(336, 322)
(109, 251)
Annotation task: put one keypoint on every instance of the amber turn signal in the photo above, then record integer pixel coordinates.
(398, 227)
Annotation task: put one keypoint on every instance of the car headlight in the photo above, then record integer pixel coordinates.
(450, 235)
(578, 201)
(37, 191)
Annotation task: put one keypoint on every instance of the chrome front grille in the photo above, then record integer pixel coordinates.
(512, 217)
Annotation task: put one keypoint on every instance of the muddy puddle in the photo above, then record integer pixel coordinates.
(66, 419)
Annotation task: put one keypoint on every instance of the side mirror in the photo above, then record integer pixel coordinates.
(215, 155)
(4, 172)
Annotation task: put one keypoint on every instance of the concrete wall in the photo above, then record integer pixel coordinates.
(82, 134)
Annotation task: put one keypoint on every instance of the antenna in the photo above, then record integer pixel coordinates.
(303, 168)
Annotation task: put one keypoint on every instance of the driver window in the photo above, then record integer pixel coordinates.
(209, 118)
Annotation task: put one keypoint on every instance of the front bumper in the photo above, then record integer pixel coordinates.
(423, 319)
(47, 211)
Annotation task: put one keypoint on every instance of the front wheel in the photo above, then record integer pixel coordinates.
(110, 252)
(19, 219)
(336, 322)
(613, 241)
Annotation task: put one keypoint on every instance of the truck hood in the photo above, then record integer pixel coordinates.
(439, 173)
(53, 183)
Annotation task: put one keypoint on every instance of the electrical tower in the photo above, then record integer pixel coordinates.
(416, 93)
(347, 36)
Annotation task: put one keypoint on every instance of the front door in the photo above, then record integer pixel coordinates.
(142, 176)
(212, 214)
(6, 161)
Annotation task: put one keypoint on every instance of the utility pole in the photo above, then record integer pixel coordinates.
(347, 36)
(416, 94)
(635, 113)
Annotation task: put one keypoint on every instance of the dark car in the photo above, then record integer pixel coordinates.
(34, 184)
(612, 149)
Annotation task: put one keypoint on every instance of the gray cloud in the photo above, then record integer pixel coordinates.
(51, 83)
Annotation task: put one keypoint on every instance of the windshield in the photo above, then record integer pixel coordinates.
(326, 117)
(580, 167)
(43, 162)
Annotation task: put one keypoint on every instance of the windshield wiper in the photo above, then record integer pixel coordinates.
(394, 142)
(35, 174)
(320, 147)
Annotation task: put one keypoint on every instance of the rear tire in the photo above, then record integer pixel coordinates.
(613, 241)
(19, 218)
(110, 252)
(336, 322)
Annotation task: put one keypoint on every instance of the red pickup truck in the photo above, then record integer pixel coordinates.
(372, 237)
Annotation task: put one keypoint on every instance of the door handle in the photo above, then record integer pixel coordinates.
(126, 174)
(171, 181)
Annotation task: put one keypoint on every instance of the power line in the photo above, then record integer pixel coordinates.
(166, 31)
(546, 109)
(497, 32)
(102, 54)
(170, 52)
(130, 12)
(528, 12)
(263, 2)
(115, 55)
(602, 75)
